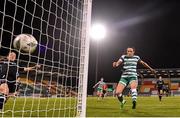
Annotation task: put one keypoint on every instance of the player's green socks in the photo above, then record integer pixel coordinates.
(134, 94)
(134, 98)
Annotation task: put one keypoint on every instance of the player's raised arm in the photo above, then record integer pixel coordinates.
(147, 66)
(117, 63)
(96, 85)
(31, 68)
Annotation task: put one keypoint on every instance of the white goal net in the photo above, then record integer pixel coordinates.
(58, 88)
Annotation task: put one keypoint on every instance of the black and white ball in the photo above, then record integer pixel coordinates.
(25, 42)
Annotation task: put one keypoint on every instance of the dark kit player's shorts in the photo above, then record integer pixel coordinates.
(160, 90)
(2, 81)
(8, 74)
(11, 84)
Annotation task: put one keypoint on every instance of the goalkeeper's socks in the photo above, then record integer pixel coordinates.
(120, 98)
(134, 94)
(2, 100)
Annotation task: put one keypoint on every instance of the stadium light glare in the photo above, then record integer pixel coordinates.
(98, 31)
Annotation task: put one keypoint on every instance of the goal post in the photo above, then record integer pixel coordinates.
(84, 59)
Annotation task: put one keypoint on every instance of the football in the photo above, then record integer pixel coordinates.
(25, 43)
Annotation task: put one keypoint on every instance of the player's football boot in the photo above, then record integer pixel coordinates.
(123, 103)
(134, 105)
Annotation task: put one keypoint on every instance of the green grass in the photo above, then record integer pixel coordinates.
(109, 107)
(51, 107)
(146, 107)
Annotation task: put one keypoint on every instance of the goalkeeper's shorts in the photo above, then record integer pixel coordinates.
(2, 81)
(127, 80)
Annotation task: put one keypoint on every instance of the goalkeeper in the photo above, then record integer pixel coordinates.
(9, 76)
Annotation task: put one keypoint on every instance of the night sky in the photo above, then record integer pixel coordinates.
(151, 26)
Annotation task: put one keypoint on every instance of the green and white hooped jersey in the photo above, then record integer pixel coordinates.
(101, 84)
(129, 65)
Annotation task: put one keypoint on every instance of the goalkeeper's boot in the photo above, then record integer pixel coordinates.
(123, 103)
(134, 105)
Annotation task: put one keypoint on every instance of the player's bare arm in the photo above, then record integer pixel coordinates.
(147, 66)
(96, 85)
(31, 68)
(117, 63)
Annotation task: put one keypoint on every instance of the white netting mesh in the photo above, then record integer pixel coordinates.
(57, 26)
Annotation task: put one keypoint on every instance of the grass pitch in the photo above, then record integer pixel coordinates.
(40, 107)
(146, 107)
(109, 107)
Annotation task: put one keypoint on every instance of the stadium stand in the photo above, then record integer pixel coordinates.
(29, 87)
(147, 82)
(171, 79)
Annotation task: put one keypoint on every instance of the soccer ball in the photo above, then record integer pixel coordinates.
(25, 42)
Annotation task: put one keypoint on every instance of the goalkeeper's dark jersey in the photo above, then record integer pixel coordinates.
(160, 84)
(9, 74)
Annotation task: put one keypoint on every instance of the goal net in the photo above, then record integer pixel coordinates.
(58, 88)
